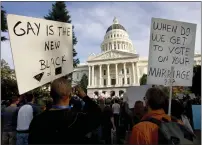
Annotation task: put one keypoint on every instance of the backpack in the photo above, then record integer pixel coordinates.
(173, 133)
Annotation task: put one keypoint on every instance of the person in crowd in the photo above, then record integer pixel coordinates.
(139, 111)
(116, 112)
(25, 114)
(61, 124)
(102, 103)
(9, 122)
(146, 133)
(22, 100)
(112, 95)
(177, 111)
(108, 122)
(96, 94)
(188, 109)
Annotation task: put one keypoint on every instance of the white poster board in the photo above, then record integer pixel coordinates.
(42, 50)
(136, 93)
(172, 43)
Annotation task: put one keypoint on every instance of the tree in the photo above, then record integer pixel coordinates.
(9, 86)
(196, 81)
(3, 23)
(84, 82)
(143, 80)
(61, 14)
(8, 82)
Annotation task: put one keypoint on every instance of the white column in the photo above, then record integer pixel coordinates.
(93, 81)
(112, 45)
(137, 74)
(124, 68)
(108, 75)
(133, 72)
(100, 75)
(89, 76)
(116, 66)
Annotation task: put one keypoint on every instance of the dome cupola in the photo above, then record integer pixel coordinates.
(116, 38)
(115, 25)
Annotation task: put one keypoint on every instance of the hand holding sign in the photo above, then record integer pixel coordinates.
(79, 91)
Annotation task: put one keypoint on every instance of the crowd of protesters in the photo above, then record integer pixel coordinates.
(71, 117)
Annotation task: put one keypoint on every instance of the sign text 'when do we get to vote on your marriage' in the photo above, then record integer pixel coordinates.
(172, 43)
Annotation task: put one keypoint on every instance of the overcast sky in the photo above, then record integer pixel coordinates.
(91, 20)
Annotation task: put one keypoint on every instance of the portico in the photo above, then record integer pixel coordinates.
(116, 67)
(112, 75)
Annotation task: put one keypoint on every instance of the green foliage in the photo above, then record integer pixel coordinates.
(84, 82)
(61, 14)
(8, 82)
(41, 92)
(196, 81)
(143, 80)
(3, 23)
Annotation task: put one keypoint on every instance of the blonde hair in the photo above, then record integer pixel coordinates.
(60, 88)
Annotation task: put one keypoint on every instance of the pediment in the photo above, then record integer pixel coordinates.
(112, 55)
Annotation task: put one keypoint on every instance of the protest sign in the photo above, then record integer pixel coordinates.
(172, 44)
(41, 49)
(136, 93)
(196, 110)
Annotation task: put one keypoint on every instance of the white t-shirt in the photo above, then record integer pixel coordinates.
(25, 116)
(116, 108)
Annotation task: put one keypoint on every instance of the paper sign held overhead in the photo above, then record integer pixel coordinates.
(172, 43)
(136, 93)
(42, 50)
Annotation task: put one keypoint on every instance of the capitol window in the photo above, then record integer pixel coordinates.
(122, 71)
(117, 35)
(128, 80)
(123, 81)
(105, 72)
(111, 36)
(127, 70)
(113, 82)
(105, 83)
(114, 35)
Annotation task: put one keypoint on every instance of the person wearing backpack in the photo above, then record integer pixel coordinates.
(156, 127)
(62, 124)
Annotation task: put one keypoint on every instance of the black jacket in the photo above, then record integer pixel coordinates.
(65, 126)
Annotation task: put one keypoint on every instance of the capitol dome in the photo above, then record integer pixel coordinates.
(117, 38)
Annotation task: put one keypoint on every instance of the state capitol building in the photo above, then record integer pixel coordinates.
(118, 66)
